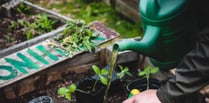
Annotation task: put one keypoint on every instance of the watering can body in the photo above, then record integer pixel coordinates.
(169, 32)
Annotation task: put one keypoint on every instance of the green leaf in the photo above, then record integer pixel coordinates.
(68, 96)
(72, 88)
(121, 75)
(63, 91)
(121, 68)
(103, 80)
(129, 74)
(29, 34)
(96, 69)
(142, 73)
(126, 69)
(154, 70)
(104, 72)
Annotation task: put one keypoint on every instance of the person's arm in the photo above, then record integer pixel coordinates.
(192, 74)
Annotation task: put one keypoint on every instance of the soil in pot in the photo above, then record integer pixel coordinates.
(91, 96)
(24, 23)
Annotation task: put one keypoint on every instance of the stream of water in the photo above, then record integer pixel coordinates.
(112, 63)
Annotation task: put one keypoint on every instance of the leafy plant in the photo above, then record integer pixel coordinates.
(77, 36)
(100, 74)
(41, 24)
(89, 12)
(67, 92)
(123, 71)
(22, 8)
(147, 72)
(8, 37)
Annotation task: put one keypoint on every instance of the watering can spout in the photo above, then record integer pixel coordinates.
(148, 45)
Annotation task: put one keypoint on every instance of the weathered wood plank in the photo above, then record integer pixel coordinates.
(129, 8)
(76, 64)
(37, 39)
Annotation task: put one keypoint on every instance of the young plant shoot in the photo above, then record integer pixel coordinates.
(147, 72)
(123, 71)
(67, 92)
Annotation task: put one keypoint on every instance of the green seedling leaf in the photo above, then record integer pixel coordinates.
(103, 80)
(124, 71)
(96, 69)
(72, 88)
(29, 34)
(104, 72)
(129, 74)
(142, 73)
(68, 96)
(154, 70)
(63, 91)
(121, 67)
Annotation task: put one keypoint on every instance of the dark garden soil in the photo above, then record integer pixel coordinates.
(51, 90)
(16, 27)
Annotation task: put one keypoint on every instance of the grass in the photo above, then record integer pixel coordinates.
(78, 9)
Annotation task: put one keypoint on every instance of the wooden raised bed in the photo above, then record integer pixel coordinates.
(6, 11)
(38, 65)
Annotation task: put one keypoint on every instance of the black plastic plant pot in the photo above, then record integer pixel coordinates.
(42, 99)
(91, 96)
(141, 84)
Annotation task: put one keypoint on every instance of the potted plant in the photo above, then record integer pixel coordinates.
(146, 82)
(92, 90)
(117, 78)
(88, 89)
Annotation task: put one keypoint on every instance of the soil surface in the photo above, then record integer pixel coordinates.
(51, 90)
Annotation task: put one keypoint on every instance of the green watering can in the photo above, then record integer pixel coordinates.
(169, 32)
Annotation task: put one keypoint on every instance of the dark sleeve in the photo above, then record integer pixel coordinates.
(192, 74)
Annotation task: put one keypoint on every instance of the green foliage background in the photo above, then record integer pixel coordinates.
(91, 11)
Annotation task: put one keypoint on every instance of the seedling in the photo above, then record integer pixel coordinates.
(123, 71)
(41, 24)
(67, 92)
(22, 8)
(100, 74)
(147, 72)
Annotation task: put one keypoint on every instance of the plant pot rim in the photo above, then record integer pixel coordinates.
(42, 99)
(102, 87)
(142, 82)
